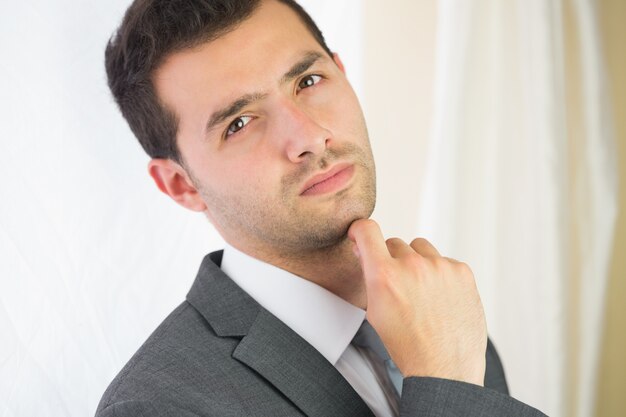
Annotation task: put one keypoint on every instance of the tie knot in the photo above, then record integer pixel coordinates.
(366, 337)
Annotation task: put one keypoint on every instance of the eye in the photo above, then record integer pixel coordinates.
(238, 124)
(309, 81)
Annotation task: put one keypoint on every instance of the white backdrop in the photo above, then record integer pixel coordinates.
(83, 231)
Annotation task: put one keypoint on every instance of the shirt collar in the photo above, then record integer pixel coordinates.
(326, 321)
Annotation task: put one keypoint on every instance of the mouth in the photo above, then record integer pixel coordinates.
(332, 180)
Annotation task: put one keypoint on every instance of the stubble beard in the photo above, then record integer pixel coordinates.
(284, 226)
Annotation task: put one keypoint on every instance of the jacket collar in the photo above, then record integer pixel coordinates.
(270, 347)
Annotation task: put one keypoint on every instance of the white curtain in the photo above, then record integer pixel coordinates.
(521, 184)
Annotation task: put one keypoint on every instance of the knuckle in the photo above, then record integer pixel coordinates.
(464, 269)
(394, 241)
(441, 264)
(419, 242)
(416, 261)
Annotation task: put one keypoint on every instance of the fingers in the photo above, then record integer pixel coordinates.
(424, 248)
(411, 289)
(398, 248)
(370, 243)
(372, 247)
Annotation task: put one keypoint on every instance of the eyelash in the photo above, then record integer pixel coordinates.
(309, 76)
(227, 134)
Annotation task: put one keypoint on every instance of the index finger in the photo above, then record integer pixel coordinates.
(366, 234)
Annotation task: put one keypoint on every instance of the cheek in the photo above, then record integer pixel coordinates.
(349, 123)
(256, 173)
(343, 111)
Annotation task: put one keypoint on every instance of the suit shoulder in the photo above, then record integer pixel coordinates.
(183, 351)
(142, 409)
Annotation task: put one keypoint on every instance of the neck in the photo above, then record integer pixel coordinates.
(335, 268)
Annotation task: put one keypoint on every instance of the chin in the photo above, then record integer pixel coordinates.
(314, 231)
(336, 231)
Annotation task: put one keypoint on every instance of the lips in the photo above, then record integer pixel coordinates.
(324, 177)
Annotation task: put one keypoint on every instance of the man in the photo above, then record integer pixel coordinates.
(249, 118)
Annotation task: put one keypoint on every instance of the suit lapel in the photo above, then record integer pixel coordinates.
(271, 348)
(299, 371)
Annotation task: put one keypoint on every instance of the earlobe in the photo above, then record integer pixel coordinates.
(339, 62)
(172, 180)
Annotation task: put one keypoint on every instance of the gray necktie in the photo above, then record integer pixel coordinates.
(367, 338)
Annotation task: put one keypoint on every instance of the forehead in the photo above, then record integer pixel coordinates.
(244, 59)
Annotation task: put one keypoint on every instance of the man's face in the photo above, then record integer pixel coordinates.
(264, 114)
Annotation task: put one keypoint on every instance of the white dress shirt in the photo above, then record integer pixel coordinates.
(326, 321)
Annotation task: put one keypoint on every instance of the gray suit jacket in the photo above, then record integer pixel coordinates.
(221, 354)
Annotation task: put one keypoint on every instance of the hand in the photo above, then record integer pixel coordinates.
(425, 308)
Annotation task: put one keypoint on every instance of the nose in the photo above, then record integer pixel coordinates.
(302, 135)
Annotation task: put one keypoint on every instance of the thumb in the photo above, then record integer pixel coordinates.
(370, 246)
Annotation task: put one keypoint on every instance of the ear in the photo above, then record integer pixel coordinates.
(338, 62)
(172, 179)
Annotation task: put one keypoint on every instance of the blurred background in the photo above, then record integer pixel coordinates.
(499, 131)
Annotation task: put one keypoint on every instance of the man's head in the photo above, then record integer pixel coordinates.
(151, 31)
(243, 108)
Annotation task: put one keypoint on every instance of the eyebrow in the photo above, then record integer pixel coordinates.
(239, 103)
(233, 108)
(301, 66)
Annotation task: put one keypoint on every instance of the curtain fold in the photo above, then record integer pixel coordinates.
(521, 184)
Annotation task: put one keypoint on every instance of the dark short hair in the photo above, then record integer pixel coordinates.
(151, 31)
